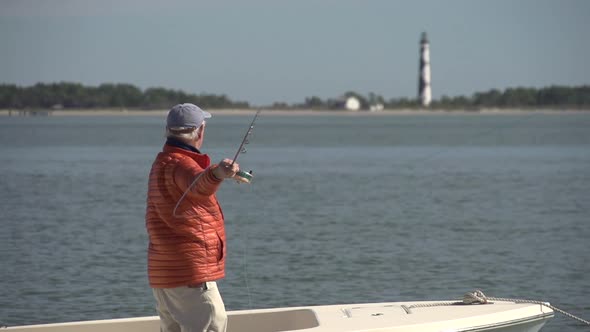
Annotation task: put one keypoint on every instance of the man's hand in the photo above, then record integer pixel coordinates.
(225, 169)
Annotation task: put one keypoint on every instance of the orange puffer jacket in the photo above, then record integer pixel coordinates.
(188, 248)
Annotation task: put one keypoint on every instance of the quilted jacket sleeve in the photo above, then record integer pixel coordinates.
(187, 172)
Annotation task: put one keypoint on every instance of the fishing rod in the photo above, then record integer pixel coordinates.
(242, 176)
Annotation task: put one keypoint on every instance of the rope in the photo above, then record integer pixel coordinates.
(478, 297)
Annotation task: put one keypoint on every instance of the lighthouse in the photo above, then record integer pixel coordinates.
(424, 92)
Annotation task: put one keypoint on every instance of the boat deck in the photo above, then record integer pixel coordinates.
(382, 317)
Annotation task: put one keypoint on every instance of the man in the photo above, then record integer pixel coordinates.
(186, 230)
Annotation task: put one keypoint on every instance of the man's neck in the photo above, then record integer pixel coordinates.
(181, 144)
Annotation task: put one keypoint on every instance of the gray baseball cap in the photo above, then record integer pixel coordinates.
(186, 115)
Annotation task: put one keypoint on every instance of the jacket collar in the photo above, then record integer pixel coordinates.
(180, 144)
(176, 146)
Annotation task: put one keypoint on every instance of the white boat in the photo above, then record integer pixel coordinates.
(498, 316)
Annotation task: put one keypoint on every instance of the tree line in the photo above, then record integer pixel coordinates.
(77, 96)
(549, 97)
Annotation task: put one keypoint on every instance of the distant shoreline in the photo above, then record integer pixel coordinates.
(114, 112)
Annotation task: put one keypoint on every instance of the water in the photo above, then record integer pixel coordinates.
(343, 209)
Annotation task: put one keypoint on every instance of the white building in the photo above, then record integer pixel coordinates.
(352, 104)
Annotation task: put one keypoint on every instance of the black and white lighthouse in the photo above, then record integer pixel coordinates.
(424, 92)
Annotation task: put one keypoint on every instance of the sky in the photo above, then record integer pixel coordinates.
(265, 51)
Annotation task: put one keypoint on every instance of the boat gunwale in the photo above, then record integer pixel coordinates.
(544, 316)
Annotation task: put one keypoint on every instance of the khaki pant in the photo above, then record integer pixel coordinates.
(191, 309)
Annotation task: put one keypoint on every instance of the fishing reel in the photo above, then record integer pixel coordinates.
(243, 177)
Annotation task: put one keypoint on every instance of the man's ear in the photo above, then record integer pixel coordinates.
(200, 131)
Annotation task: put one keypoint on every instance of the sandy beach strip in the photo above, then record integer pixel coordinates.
(300, 112)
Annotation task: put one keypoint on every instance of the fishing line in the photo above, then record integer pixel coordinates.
(448, 148)
(245, 177)
(485, 133)
(245, 263)
(240, 177)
